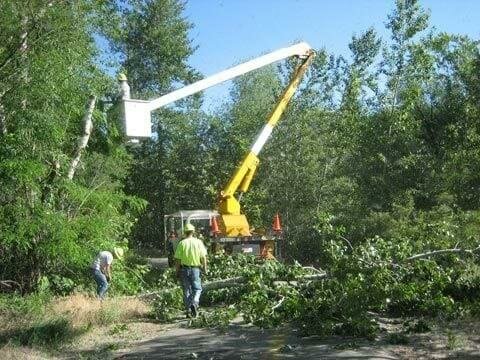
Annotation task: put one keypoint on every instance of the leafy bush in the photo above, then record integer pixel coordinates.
(466, 286)
(129, 275)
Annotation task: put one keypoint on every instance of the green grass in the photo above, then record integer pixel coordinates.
(108, 315)
(31, 307)
(454, 342)
(48, 333)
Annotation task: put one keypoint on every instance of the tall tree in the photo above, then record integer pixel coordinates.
(154, 47)
(51, 225)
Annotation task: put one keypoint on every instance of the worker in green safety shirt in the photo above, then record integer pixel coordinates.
(190, 257)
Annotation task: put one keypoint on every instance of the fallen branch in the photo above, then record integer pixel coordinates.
(347, 241)
(313, 276)
(9, 284)
(212, 285)
(277, 305)
(240, 280)
(313, 268)
(222, 284)
(236, 282)
(441, 252)
(296, 283)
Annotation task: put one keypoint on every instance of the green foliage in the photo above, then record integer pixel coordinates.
(52, 226)
(167, 306)
(362, 281)
(315, 309)
(31, 307)
(172, 171)
(169, 303)
(154, 44)
(217, 318)
(467, 285)
(130, 276)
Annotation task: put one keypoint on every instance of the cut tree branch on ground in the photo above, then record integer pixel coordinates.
(240, 280)
(441, 252)
(320, 275)
(10, 284)
(221, 284)
(318, 271)
(236, 282)
(277, 305)
(304, 278)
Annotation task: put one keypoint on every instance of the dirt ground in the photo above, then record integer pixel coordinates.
(149, 340)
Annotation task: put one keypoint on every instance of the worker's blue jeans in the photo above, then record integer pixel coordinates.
(102, 284)
(192, 286)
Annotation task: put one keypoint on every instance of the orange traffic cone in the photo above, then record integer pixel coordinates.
(214, 226)
(276, 226)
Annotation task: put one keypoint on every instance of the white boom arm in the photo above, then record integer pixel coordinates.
(136, 113)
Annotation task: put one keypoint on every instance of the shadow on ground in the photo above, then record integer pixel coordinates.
(246, 342)
(240, 341)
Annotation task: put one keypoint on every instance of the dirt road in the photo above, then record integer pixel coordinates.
(454, 340)
(247, 342)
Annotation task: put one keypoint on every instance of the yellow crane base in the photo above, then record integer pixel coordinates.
(234, 225)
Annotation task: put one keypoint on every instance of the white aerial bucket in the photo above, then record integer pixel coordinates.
(136, 119)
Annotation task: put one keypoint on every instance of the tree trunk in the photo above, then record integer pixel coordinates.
(83, 141)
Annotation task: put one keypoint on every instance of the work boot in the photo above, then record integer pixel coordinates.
(194, 309)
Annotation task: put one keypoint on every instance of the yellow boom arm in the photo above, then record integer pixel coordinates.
(233, 222)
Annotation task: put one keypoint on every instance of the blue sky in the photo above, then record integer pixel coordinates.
(229, 31)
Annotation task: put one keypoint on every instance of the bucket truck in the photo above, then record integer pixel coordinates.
(226, 228)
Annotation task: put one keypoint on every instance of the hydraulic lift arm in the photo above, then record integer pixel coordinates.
(233, 222)
(137, 113)
(137, 124)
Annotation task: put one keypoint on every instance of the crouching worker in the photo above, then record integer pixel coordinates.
(190, 257)
(102, 269)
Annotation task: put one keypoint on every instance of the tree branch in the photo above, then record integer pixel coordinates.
(277, 305)
(9, 284)
(441, 252)
(313, 268)
(236, 282)
(347, 241)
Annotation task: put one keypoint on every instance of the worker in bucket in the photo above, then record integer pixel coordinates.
(102, 269)
(190, 258)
